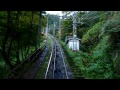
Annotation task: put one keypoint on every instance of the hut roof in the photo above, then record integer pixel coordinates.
(69, 39)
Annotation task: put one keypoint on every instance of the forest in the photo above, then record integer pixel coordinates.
(21, 33)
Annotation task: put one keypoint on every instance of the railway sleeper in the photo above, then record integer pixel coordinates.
(55, 62)
(52, 62)
(57, 71)
(57, 55)
(56, 50)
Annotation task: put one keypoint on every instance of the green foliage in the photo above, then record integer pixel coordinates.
(52, 19)
(66, 28)
(102, 47)
(18, 36)
(92, 33)
(98, 57)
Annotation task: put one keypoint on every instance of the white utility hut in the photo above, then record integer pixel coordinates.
(73, 43)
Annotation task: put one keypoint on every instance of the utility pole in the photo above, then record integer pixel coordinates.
(43, 29)
(39, 30)
(74, 29)
(59, 28)
(74, 24)
(47, 28)
(54, 29)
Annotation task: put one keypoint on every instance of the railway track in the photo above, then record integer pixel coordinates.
(76, 72)
(56, 68)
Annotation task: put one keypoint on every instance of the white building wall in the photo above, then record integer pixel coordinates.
(74, 45)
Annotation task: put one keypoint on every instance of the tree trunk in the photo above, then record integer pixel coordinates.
(39, 30)
(4, 54)
(18, 38)
(27, 51)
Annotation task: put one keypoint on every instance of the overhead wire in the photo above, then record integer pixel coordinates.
(69, 27)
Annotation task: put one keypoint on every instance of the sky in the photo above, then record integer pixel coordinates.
(55, 12)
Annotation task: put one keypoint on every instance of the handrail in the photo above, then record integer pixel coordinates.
(24, 61)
